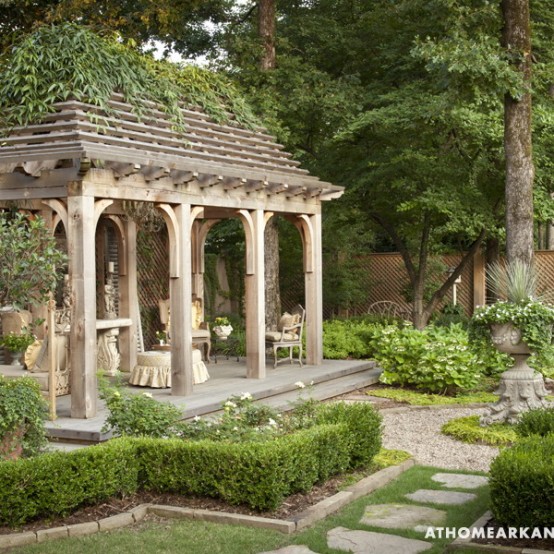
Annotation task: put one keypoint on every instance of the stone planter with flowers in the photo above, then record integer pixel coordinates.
(519, 325)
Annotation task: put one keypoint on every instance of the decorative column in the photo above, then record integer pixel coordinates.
(254, 225)
(179, 225)
(81, 225)
(310, 228)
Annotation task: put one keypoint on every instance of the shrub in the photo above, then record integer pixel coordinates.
(22, 415)
(59, 482)
(259, 474)
(138, 415)
(256, 473)
(364, 428)
(437, 359)
(522, 483)
(351, 338)
(536, 422)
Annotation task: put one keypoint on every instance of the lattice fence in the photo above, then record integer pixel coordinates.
(153, 280)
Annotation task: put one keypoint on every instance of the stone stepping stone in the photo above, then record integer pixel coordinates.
(460, 480)
(367, 542)
(441, 497)
(292, 549)
(402, 516)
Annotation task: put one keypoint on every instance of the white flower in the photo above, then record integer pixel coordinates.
(235, 428)
(147, 394)
(229, 404)
(300, 385)
(272, 421)
(196, 419)
(245, 396)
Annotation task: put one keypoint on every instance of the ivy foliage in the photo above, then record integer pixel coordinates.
(22, 415)
(68, 61)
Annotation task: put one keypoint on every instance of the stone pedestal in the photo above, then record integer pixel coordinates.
(521, 387)
(108, 358)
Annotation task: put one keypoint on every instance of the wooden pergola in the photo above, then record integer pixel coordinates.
(81, 164)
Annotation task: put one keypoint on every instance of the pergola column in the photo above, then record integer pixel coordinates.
(179, 225)
(128, 303)
(81, 225)
(254, 225)
(310, 228)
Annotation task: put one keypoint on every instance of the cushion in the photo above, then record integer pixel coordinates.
(274, 336)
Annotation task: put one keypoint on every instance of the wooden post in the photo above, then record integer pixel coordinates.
(128, 294)
(479, 280)
(180, 292)
(52, 358)
(314, 292)
(254, 224)
(82, 275)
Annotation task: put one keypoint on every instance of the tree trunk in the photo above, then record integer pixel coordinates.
(517, 136)
(272, 292)
(266, 32)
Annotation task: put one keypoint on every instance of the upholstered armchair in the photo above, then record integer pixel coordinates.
(288, 335)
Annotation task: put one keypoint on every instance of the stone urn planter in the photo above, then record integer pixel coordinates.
(223, 331)
(521, 387)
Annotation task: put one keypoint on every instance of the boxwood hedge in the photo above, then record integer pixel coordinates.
(522, 483)
(258, 474)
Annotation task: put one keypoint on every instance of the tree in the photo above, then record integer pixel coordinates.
(409, 119)
(516, 39)
(30, 260)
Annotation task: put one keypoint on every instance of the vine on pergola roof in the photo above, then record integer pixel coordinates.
(59, 62)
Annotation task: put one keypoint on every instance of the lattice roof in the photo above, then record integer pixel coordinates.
(121, 140)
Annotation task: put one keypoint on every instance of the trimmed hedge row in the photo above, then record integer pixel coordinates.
(259, 474)
(522, 483)
(58, 483)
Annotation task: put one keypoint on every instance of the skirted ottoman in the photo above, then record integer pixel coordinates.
(153, 369)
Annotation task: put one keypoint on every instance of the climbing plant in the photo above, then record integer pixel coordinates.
(69, 61)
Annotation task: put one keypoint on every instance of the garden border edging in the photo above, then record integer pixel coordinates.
(288, 526)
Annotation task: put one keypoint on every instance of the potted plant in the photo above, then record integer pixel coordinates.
(519, 323)
(17, 345)
(222, 327)
(161, 336)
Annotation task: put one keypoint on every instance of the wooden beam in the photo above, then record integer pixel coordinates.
(231, 183)
(204, 180)
(180, 177)
(154, 173)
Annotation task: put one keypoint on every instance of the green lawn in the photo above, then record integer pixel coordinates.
(209, 538)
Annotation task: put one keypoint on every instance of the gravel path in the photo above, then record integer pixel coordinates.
(418, 431)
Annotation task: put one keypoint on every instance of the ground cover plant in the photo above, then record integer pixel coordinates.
(416, 398)
(468, 429)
